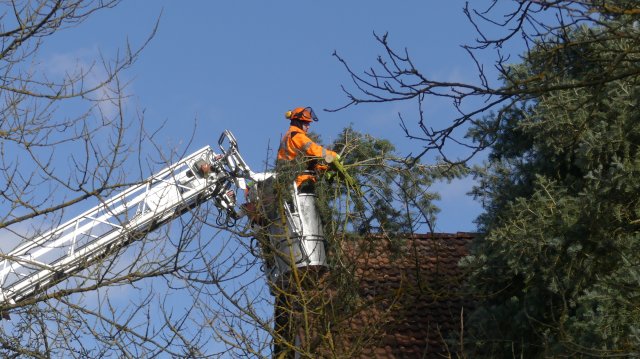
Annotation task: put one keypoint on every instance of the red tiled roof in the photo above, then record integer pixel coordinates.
(413, 291)
(403, 298)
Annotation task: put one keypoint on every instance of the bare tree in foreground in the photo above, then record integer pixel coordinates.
(545, 25)
(67, 142)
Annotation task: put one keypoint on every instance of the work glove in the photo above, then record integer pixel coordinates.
(342, 173)
(330, 157)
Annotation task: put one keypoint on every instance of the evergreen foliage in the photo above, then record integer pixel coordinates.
(384, 202)
(392, 198)
(557, 269)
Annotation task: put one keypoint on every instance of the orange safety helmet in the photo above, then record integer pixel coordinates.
(305, 114)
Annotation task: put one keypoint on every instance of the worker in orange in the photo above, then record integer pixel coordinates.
(296, 145)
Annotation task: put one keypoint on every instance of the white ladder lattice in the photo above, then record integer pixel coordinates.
(48, 258)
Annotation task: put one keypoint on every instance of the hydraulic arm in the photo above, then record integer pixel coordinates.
(49, 258)
(52, 256)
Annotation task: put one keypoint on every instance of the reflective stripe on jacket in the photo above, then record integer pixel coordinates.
(296, 142)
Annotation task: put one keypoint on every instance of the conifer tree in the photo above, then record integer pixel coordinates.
(558, 268)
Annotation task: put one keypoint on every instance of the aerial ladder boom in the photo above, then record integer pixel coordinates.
(101, 231)
(114, 223)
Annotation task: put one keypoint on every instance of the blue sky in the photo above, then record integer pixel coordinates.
(216, 65)
(240, 65)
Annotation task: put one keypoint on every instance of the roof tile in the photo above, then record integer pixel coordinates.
(409, 297)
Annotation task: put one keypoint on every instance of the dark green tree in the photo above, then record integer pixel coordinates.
(557, 270)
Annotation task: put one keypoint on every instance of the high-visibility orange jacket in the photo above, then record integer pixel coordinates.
(295, 143)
